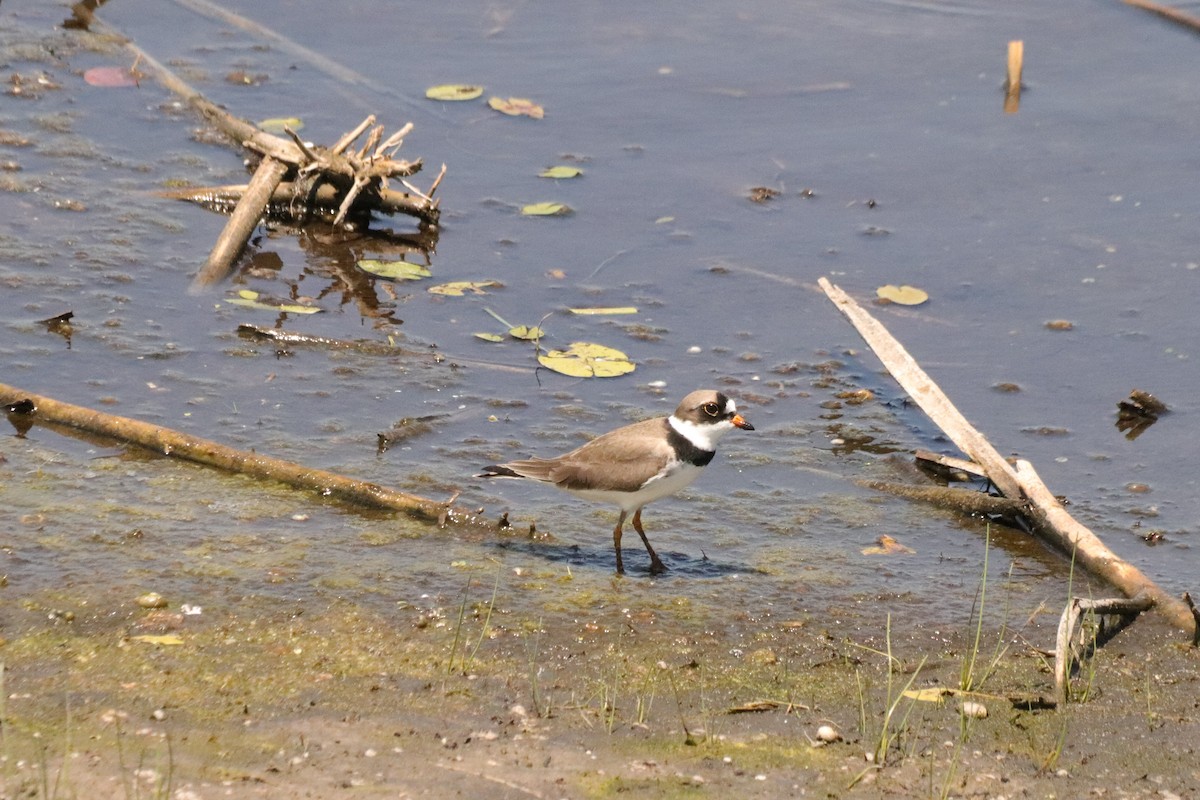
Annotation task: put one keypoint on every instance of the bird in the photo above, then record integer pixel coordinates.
(639, 463)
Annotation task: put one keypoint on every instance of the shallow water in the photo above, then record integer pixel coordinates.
(1079, 207)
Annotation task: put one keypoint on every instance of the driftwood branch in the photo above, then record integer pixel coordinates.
(1167, 12)
(242, 222)
(324, 197)
(167, 442)
(1071, 648)
(1048, 519)
(961, 501)
(358, 177)
(925, 393)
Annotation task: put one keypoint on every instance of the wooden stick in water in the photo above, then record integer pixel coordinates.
(1167, 12)
(1049, 520)
(168, 442)
(1012, 86)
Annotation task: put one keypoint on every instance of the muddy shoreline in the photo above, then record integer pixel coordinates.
(313, 702)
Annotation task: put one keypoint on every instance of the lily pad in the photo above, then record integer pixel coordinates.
(111, 77)
(490, 337)
(902, 295)
(252, 299)
(517, 107)
(561, 171)
(526, 332)
(459, 288)
(395, 270)
(547, 210)
(588, 360)
(453, 92)
(277, 124)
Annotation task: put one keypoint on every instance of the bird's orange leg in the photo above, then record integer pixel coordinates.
(656, 565)
(617, 543)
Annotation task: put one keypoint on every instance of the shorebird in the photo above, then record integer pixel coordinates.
(639, 463)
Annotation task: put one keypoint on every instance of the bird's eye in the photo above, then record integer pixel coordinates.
(712, 409)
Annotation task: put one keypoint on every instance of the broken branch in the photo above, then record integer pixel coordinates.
(174, 444)
(1049, 520)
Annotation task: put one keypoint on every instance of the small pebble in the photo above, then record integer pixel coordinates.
(828, 734)
(974, 710)
(152, 600)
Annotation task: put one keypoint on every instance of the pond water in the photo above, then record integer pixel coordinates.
(880, 124)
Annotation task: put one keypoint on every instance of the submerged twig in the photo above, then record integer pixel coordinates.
(1167, 12)
(963, 501)
(368, 347)
(175, 444)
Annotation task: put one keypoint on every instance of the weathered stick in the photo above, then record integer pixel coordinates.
(1067, 653)
(1053, 524)
(326, 196)
(1012, 84)
(241, 224)
(1167, 12)
(962, 501)
(1050, 522)
(167, 442)
(925, 392)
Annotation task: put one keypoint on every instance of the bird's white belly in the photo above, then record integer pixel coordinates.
(669, 484)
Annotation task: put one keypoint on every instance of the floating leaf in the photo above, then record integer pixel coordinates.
(887, 546)
(490, 337)
(169, 639)
(587, 360)
(663, 220)
(459, 288)
(251, 299)
(240, 77)
(526, 332)
(761, 194)
(395, 270)
(111, 77)
(453, 91)
(517, 106)
(277, 124)
(933, 694)
(561, 171)
(902, 295)
(546, 210)
(599, 311)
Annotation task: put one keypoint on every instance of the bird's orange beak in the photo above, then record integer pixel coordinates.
(740, 422)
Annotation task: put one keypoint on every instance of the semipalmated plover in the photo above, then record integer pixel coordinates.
(638, 463)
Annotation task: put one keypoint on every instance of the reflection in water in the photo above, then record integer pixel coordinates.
(61, 324)
(1138, 412)
(82, 15)
(332, 261)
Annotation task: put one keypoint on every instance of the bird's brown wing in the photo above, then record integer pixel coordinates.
(622, 460)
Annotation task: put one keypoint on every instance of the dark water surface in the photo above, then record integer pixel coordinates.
(1081, 207)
